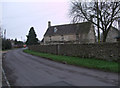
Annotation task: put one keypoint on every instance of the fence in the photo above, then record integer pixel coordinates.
(106, 51)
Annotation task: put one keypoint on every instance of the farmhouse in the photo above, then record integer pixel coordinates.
(70, 33)
(113, 34)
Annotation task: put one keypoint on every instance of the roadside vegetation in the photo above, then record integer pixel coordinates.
(6, 44)
(77, 61)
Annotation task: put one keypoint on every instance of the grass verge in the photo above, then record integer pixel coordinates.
(77, 61)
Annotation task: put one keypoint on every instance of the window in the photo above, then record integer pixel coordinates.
(77, 37)
(55, 29)
(50, 38)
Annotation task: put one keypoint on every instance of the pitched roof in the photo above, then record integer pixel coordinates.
(118, 31)
(78, 28)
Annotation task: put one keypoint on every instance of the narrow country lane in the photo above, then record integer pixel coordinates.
(26, 70)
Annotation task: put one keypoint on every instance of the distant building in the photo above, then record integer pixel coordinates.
(70, 33)
(12, 43)
(112, 35)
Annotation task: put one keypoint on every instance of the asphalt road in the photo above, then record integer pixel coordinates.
(26, 70)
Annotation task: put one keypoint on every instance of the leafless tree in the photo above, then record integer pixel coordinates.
(101, 14)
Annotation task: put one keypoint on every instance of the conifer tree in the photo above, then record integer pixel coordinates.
(31, 37)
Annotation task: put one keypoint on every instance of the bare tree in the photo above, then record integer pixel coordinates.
(101, 14)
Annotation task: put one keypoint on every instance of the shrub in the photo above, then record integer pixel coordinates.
(6, 44)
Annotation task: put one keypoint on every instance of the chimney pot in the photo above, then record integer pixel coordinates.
(49, 24)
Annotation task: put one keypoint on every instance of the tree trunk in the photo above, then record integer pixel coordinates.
(98, 24)
(98, 35)
(104, 36)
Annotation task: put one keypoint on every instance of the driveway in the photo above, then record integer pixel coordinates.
(27, 70)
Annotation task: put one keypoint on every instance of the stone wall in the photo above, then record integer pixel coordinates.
(106, 51)
(44, 48)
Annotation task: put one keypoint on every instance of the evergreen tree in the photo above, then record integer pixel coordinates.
(18, 42)
(15, 41)
(31, 37)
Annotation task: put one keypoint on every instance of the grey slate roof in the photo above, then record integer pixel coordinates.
(78, 28)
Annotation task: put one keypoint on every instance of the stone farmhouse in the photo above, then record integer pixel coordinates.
(78, 33)
(113, 35)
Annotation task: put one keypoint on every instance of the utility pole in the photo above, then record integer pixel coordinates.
(21, 38)
(1, 33)
(5, 34)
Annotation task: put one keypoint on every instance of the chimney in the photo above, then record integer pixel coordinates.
(49, 24)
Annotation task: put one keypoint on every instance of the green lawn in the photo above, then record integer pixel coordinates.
(84, 62)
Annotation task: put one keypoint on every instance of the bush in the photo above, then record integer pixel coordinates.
(6, 44)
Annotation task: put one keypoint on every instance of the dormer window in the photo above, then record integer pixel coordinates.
(55, 29)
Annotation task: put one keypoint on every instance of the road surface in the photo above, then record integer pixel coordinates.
(26, 70)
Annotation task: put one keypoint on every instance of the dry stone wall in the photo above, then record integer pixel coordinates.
(106, 51)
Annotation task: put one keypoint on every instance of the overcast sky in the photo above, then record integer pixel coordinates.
(18, 17)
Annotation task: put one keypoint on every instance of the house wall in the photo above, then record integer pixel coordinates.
(46, 39)
(56, 38)
(83, 38)
(88, 38)
(69, 37)
(65, 37)
(91, 35)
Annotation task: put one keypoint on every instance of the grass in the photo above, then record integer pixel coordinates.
(77, 61)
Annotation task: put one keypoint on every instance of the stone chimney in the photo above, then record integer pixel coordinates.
(49, 24)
